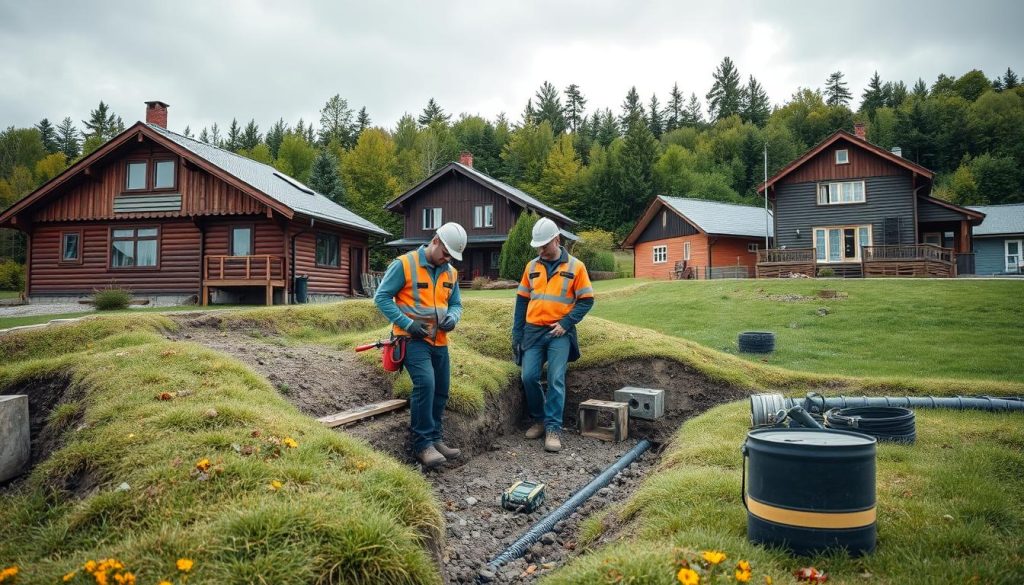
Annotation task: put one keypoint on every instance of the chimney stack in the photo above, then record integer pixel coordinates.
(156, 113)
(860, 130)
(466, 158)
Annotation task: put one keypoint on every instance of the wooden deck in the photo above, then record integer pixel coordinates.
(783, 263)
(221, 271)
(910, 260)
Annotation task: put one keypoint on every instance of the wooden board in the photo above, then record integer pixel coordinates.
(359, 413)
(588, 420)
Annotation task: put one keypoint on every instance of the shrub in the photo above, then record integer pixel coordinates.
(826, 273)
(516, 251)
(602, 262)
(12, 275)
(111, 298)
(595, 250)
(479, 283)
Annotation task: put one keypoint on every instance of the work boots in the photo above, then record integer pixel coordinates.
(448, 452)
(430, 457)
(552, 442)
(536, 431)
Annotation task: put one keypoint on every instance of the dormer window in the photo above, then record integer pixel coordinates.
(150, 175)
(163, 174)
(136, 176)
(842, 157)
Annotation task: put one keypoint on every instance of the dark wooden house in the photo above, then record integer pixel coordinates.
(174, 219)
(860, 210)
(685, 238)
(485, 206)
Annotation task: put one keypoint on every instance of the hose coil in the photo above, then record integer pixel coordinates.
(885, 423)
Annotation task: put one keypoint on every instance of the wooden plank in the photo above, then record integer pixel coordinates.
(356, 414)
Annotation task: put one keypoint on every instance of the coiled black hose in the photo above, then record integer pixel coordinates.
(885, 423)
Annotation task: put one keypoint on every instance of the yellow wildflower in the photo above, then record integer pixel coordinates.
(290, 443)
(70, 576)
(8, 572)
(768, 580)
(89, 566)
(713, 556)
(185, 565)
(688, 576)
(275, 485)
(165, 583)
(742, 576)
(203, 464)
(361, 465)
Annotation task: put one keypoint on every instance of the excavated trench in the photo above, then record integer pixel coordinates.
(321, 381)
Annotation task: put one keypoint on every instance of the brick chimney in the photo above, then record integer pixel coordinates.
(156, 113)
(466, 158)
(860, 130)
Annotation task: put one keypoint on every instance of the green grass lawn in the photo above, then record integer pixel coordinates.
(8, 322)
(600, 286)
(9, 294)
(905, 328)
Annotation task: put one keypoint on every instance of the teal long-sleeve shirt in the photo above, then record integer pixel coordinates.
(394, 281)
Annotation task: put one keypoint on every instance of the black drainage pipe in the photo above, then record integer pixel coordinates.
(764, 408)
(519, 547)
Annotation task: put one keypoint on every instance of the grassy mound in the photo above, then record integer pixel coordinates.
(170, 451)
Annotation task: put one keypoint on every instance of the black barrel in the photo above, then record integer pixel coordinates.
(301, 288)
(810, 490)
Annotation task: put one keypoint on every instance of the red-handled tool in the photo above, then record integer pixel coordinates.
(393, 355)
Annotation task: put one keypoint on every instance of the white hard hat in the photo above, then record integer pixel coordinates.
(544, 231)
(453, 236)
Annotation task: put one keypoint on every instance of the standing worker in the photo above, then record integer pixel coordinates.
(419, 295)
(554, 295)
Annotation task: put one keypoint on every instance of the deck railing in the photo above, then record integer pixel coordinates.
(785, 255)
(261, 268)
(929, 252)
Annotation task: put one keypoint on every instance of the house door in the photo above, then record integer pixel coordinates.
(1013, 255)
(355, 269)
(476, 264)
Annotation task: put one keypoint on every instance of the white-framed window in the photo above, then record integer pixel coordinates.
(843, 243)
(686, 251)
(840, 193)
(752, 247)
(1014, 248)
(483, 216)
(842, 157)
(431, 218)
(660, 254)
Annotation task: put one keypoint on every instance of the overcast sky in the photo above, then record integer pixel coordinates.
(213, 60)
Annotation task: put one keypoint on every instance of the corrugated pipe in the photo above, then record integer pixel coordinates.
(765, 408)
(519, 547)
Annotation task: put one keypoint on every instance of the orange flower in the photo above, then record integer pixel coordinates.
(70, 576)
(742, 576)
(185, 565)
(688, 576)
(89, 566)
(713, 556)
(203, 464)
(8, 572)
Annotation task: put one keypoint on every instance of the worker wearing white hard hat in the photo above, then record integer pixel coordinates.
(554, 295)
(419, 295)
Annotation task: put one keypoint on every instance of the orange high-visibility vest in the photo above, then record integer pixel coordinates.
(554, 298)
(424, 300)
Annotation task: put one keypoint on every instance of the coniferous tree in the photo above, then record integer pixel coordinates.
(674, 110)
(836, 91)
(362, 122)
(754, 105)
(335, 122)
(873, 96)
(529, 116)
(632, 110)
(516, 251)
(433, 113)
(102, 124)
(250, 136)
(549, 107)
(574, 107)
(67, 139)
(187, 132)
(324, 178)
(896, 95)
(204, 135)
(1010, 79)
(233, 142)
(920, 89)
(694, 113)
(607, 128)
(725, 95)
(275, 136)
(215, 137)
(636, 162)
(48, 135)
(655, 117)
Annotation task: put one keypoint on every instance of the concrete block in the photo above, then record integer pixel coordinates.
(646, 403)
(14, 436)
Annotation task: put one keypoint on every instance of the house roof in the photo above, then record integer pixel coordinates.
(1000, 219)
(844, 135)
(506, 190)
(710, 217)
(272, 182)
(265, 183)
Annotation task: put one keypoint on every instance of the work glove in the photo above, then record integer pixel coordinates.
(418, 330)
(447, 323)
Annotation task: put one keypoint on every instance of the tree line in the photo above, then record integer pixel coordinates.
(602, 166)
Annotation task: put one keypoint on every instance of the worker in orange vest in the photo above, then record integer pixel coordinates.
(419, 295)
(554, 295)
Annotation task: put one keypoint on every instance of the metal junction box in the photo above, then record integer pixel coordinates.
(646, 403)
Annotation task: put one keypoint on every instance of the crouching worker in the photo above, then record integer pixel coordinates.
(554, 295)
(419, 295)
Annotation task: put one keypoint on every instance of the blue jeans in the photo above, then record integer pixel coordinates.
(430, 372)
(555, 351)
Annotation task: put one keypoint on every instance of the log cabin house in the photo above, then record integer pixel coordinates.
(177, 220)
